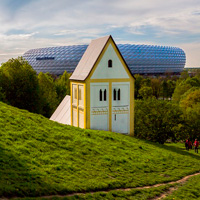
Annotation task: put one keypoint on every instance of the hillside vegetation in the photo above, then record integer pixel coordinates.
(41, 157)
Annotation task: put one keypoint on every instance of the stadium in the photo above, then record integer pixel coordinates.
(141, 59)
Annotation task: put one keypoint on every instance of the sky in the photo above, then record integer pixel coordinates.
(29, 24)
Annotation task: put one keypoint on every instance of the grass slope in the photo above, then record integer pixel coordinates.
(41, 157)
(189, 190)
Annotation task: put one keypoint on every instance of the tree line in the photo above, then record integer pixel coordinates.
(20, 86)
(167, 108)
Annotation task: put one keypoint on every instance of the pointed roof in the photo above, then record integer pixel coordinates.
(90, 57)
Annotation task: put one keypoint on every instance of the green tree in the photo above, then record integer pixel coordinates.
(48, 94)
(146, 92)
(19, 84)
(171, 87)
(138, 84)
(62, 85)
(157, 120)
(190, 103)
(194, 81)
(2, 95)
(184, 74)
(191, 98)
(146, 82)
(168, 87)
(156, 87)
(183, 86)
(179, 91)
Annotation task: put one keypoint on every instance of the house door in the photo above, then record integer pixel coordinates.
(120, 107)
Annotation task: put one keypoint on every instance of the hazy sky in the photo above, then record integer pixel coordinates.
(27, 24)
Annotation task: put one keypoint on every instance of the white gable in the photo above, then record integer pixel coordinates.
(104, 72)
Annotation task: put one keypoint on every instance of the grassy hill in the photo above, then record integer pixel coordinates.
(41, 157)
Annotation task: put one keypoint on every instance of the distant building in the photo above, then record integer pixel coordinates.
(192, 71)
(102, 91)
(141, 59)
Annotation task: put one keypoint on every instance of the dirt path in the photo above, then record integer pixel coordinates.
(171, 189)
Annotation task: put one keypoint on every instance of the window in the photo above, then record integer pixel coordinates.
(118, 94)
(105, 95)
(114, 95)
(79, 94)
(75, 93)
(109, 63)
(100, 95)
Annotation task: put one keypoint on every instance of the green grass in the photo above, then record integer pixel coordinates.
(136, 194)
(41, 157)
(189, 190)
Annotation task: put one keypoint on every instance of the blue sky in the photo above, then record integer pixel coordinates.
(27, 24)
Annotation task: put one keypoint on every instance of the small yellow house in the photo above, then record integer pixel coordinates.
(102, 89)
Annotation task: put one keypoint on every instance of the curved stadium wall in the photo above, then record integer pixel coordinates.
(141, 59)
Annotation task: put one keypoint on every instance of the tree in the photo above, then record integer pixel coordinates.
(171, 87)
(184, 75)
(168, 87)
(138, 84)
(190, 103)
(194, 81)
(48, 94)
(2, 95)
(191, 98)
(62, 85)
(157, 120)
(146, 92)
(183, 86)
(146, 82)
(156, 87)
(179, 91)
(19, 84)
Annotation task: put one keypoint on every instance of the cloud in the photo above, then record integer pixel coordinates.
(192, 53)
(41, 23)
(17, 36)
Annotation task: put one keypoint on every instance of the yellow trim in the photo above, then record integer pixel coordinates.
(85, 110)
(78, 84)
(122, 61)
(77, 104)
(88, 103)
(110, 107)
(99, 59)
(109, 80)
(71, 104)
(132, 93)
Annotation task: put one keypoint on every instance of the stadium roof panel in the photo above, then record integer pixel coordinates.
(141, 59)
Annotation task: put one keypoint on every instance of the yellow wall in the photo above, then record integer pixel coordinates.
(76, 107)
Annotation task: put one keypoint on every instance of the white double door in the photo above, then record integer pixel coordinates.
(100, 115)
